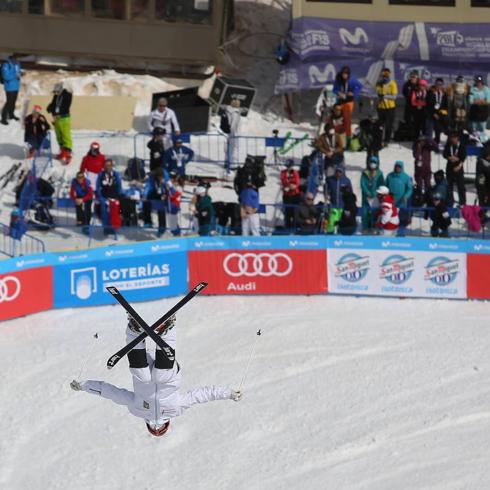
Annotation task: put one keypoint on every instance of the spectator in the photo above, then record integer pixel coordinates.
(11, 74)
(331, 146)
(155, 197)
(410, 86)
(439, 216)
(422, 153)
(458, 105)
(418, 103)
(479, 108)
(59, 108)
(348, 221)
(371, 179)
(334, 196)
(175, 188)
(108, 190)
(36, 128)
(249, 211)
(437, 111)
(157, 149)
(440, 185)
(323, 104)
(347, 89)
(290, 193)
(177, 158)
(248, 174)
(337, 121)
(387, 221)
(455, 154)
(203, 210)
(93, 163)
(399, 184)
(81, 192)
(371, 136)
(230, 124)
(482, 180)
(306, 216)
(387, 90)
(163, 117)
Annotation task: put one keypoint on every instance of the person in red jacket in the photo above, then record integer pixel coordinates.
(93, 163)
(290, 193)
(82, 193)
(388, 221)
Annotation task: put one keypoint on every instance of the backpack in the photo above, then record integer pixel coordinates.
(135, 170)
(224, 123)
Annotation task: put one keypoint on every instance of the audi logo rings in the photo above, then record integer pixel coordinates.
(260, 264)
(9, 288)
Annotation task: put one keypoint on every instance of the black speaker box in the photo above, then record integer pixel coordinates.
(225, 89)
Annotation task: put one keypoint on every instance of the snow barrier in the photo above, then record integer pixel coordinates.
(357, 265)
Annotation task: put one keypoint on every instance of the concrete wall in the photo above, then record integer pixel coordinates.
(94, 112)
(380, 10)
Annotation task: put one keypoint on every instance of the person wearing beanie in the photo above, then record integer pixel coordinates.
(36, 128)
(334, 196)
(93, 163)
(387, 221)
(387, 91)
(400, 186)
(439, 215)
(371, 179)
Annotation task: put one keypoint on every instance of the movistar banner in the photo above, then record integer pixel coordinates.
(321, 46)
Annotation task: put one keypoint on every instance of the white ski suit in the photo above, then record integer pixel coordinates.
(156, 397)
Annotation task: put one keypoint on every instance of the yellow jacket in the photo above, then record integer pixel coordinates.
(387, 93)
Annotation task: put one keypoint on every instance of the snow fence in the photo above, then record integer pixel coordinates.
(357, 265)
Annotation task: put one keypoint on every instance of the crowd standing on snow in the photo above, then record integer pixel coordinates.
(318, 197)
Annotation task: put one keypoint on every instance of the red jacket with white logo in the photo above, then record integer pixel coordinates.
(94, 164)
(388, 214)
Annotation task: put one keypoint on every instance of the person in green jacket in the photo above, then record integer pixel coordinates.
(371, 179)
(400, 185)
(204, 210)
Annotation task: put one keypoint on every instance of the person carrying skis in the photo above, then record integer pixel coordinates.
(156, 382)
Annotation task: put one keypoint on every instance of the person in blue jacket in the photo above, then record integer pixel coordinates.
(155, 197)
(334, 185)
(177, 157)
(108, 186)
(11, 74)
(347, 89)
(400, 185)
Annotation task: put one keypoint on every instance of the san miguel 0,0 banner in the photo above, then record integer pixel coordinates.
(260, 271)
(397, 273)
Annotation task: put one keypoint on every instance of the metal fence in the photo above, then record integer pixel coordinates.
(27, 245)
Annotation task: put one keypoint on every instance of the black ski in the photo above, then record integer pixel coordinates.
(113, 360)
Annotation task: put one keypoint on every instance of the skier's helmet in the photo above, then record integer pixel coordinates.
(157, 430)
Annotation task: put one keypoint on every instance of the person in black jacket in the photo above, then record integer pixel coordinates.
(439, 216)
(455, 154)
(408, 87)
(59, 108)
(482, 180)
(437, 111)
(157, 149)
(306, 216)
(348, 221)
(35, 129)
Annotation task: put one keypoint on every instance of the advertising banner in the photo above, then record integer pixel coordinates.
(25, 291)
(139, 277)
(479, 275)
(322, 46)
(397, 273)
(260, 272)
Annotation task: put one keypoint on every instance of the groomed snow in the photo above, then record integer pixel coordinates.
(345, 393)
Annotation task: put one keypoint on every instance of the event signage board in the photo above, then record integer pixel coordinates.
(255, 271)
(25, 291)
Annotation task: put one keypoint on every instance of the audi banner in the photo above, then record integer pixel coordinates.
(26, 291)
(259, 271)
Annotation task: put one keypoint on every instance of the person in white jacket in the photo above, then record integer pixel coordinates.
(156, 381)
(164, 117)
(234, 114)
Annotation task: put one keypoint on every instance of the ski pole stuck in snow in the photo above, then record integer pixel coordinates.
(96, 336)
(252, 353)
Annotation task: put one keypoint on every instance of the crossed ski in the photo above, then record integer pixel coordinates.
(148, 330)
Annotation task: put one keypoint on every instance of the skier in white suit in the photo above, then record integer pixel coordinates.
(156, 381)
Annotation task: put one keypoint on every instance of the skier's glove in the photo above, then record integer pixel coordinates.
(75, 385)
(236, 396)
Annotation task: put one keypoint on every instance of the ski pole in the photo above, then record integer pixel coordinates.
(96, 336)
(252, 352)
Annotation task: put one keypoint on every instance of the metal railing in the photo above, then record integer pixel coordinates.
(27, 245)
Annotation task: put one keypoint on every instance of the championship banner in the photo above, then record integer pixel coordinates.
(397, 273)
(260, 271)
(25, 291)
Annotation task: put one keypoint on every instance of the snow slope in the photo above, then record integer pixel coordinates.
(344, 394)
